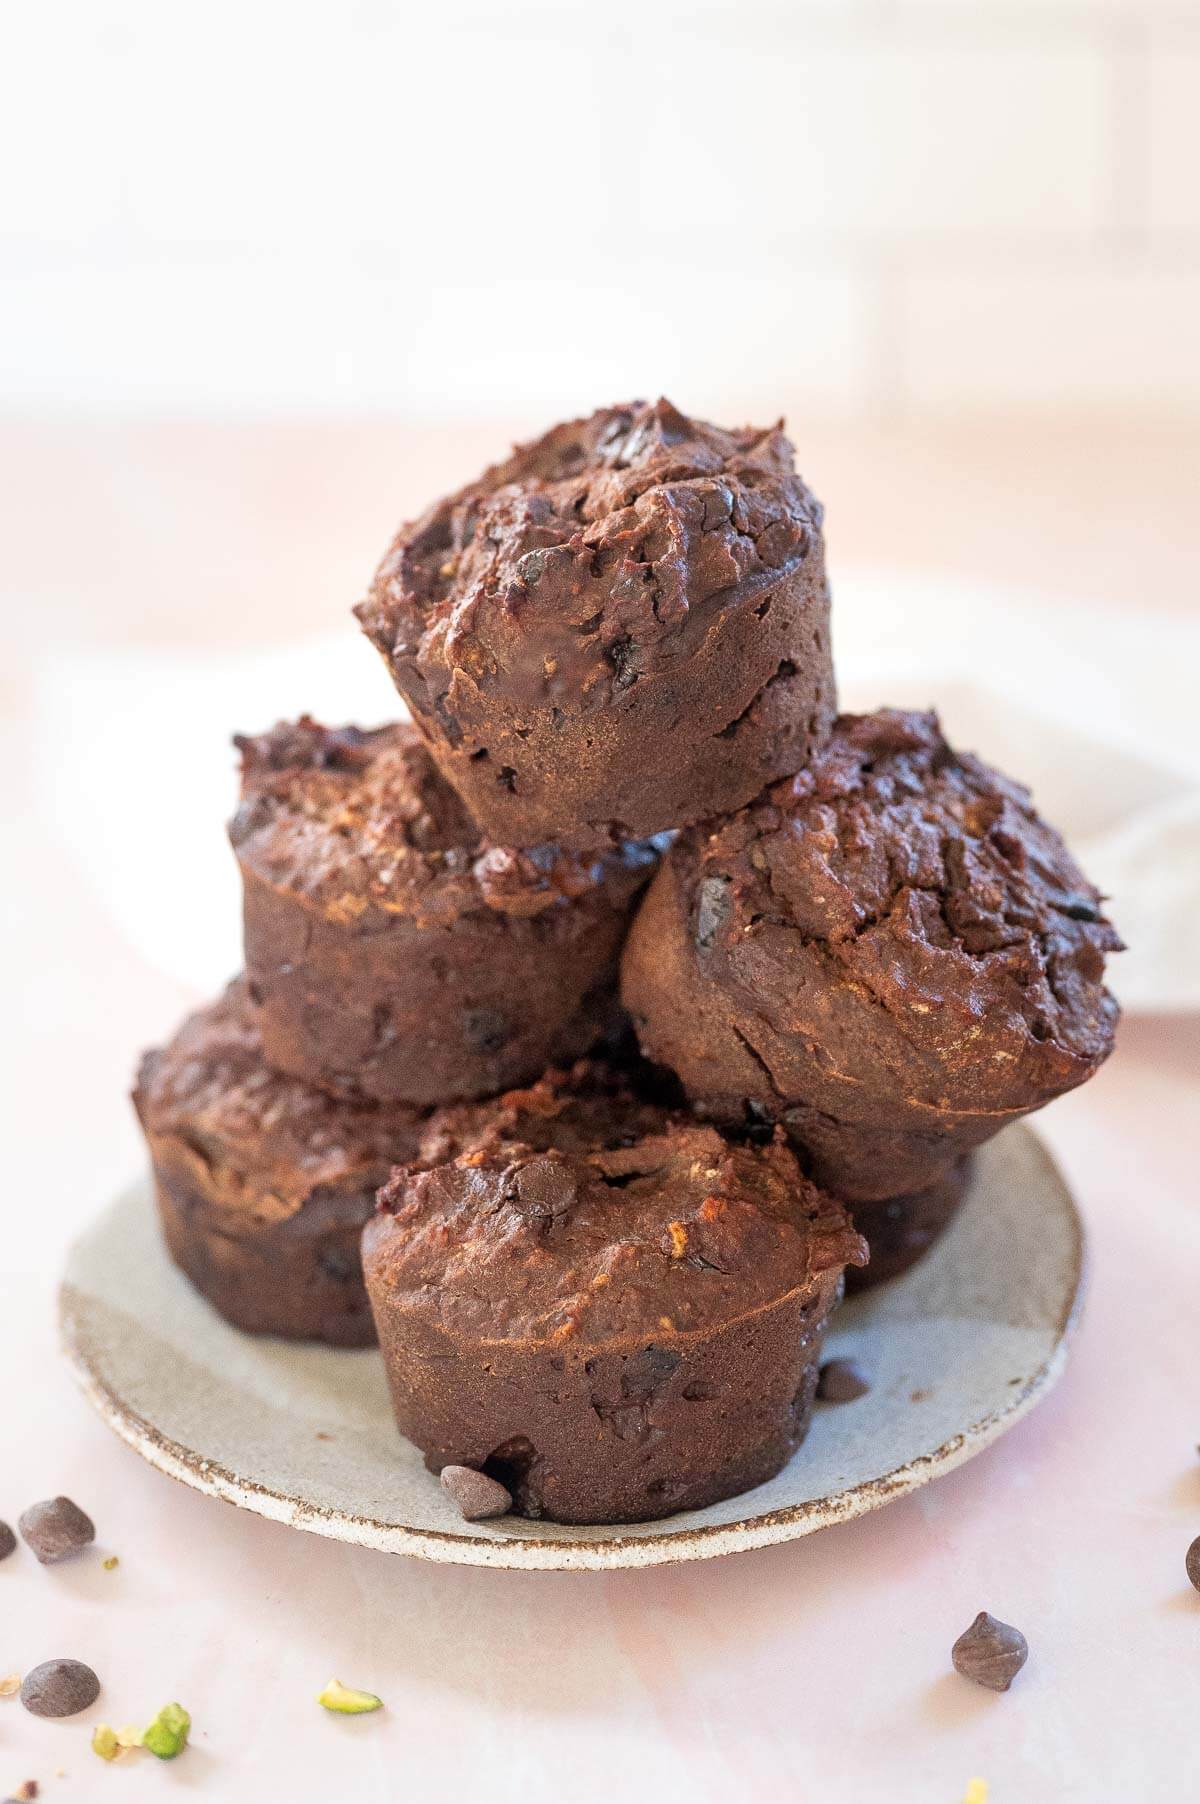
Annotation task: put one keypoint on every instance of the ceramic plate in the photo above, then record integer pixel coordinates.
(958, 1350)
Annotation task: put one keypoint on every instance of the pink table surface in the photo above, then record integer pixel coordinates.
(816, 1672)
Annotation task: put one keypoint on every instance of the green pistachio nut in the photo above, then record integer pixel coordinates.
(167, 1735)
(104, 1742)
(347, 1701)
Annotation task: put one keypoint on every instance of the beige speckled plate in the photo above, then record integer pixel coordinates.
(959, 1350)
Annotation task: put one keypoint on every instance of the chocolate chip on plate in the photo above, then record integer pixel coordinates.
(841, 1381)
(8, 1541)
(990, 1652)
(477, 1495)
(1192, 1562)
(55, 1529)
(59, 1688)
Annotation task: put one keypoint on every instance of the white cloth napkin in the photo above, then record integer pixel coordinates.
(1093, 709)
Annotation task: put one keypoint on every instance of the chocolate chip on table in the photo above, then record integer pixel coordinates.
(8, 1541)
(1192, 1562)
(990, 1652)
(477, 1496)
(59, 1688)
(55, 1529)
(842, 1381)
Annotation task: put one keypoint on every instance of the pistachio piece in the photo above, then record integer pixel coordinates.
(104, 1741)
(346, 1701)
(167, 1735)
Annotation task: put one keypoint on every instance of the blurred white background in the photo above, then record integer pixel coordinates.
(275, 275)
(879, 209)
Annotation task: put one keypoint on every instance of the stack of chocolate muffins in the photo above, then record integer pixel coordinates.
(600, 1271)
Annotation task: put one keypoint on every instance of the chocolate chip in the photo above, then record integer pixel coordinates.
(485, 1029)
(841, 1381)
(530, 568)
(990, 1653)
(59, 1688)
(8, 1541)
(623, 656)
(644, 1372)
(55, 1529)
(712, 910)
(1192, 1562)
(544, 1187)
(338, 1263)
(477, 1496)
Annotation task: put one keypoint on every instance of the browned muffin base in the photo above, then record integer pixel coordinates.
(624, 1433)
(301, 1279)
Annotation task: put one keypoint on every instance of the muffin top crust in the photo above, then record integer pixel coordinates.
(924, 883)
(351, 821)
(589, 558)
(613, 1219)
(266, 1142)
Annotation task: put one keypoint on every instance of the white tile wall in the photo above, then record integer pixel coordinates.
(521, 207)
(1053, 338)
(873, 138)
(1174, 148)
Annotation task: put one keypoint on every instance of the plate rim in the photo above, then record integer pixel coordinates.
(667, 1546)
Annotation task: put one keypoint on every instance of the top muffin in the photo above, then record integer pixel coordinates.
(620, 629)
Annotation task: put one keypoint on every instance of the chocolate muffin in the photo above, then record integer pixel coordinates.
(622, 628)
(264, 1183)
(615, 1310)
(890, 953)
(391, 952)
(900, 1229)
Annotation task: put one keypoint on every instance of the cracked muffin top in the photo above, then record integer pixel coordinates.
(924, 885)
(351, 821)
(589, 557)
(578, 1210)
(268, 1143)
